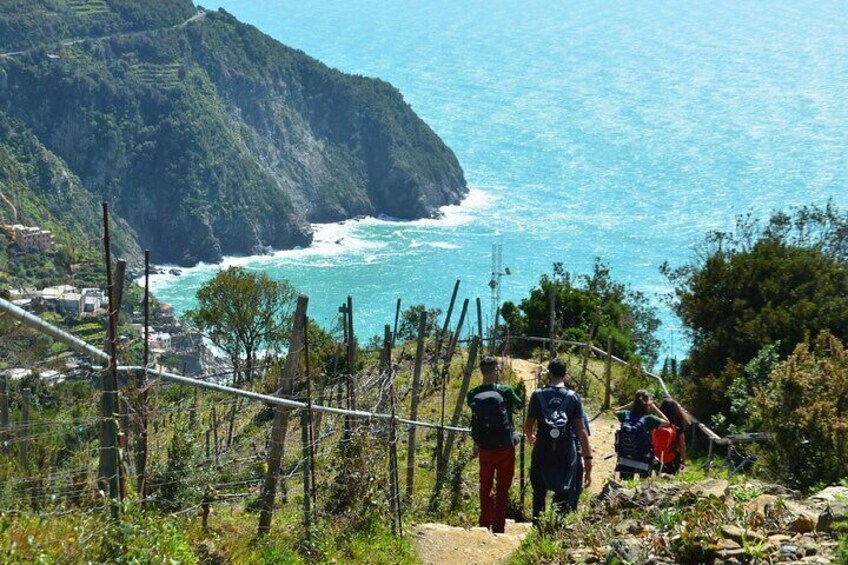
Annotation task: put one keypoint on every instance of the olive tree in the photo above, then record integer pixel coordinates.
(243, 312)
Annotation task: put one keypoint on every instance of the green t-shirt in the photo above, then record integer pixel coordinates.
(651, 421)
(513, 401)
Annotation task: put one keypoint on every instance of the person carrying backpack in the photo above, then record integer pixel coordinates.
(554, 417)
(492, 406)
(670, 441)
(633, 441)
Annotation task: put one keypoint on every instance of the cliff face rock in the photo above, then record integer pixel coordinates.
(37, 188)
(211, 138)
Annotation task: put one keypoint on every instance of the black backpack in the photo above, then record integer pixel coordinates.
(490, 423)
(634, 442)
(555, 436)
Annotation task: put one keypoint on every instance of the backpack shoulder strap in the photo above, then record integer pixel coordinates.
(542, 399)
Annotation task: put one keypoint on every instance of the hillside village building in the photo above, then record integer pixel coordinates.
(30, 238)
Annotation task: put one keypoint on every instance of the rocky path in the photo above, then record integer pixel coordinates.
(438, 544)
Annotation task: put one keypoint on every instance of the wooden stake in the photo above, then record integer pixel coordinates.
(608, 376)
(351, 357)
(281, 418)
(440, 443)
(141, 438)
(232, 422)
(4, 412)
(584, 385)
(552, 318)
(215, 435)
(109, 440)
(397, 319)
(394, 488)
(416, 392)
(440, 338)
(460, 400)
(306, 468)
(24, 435)
(480, 318)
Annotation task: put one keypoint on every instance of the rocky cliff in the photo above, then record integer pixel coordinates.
(209, 137)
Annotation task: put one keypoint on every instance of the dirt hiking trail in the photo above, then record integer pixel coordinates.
(602, 428)
(438, 544)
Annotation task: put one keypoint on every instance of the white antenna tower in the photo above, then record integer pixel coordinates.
(498, 271)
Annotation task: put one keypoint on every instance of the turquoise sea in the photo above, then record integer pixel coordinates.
(620, 130)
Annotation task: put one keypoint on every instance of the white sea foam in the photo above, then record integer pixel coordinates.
(351, 237)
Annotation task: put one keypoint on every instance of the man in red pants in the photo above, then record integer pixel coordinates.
(492, 406)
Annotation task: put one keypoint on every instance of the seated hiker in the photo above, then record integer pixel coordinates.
(554, 417)
(669, 442)
(633, 440)
(492, 406)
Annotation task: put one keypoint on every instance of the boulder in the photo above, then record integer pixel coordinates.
(833, 513)
(831, 494)
(711, 488)
(760, 505)
(623, 550)
(802, 519)
(740, 536)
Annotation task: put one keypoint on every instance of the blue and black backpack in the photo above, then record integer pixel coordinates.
(633, 445)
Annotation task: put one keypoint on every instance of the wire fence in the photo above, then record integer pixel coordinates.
(205, 441)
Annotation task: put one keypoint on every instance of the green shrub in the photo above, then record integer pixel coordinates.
(805, 404)
(842, 551)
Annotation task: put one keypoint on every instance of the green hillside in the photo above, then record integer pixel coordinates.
(211, 138)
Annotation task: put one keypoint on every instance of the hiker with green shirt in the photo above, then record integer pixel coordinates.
(633, 441)
(492, 406)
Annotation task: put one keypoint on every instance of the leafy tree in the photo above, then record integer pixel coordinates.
(772, 284)
(243, 312)
(584, 302)
(411, 317)
(805, 404)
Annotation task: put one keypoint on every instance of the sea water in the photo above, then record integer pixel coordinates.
(618, 130)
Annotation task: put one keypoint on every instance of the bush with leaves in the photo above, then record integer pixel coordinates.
(805, 405)
(773, 283)
(177, 485)
(411, 318)
(587, 306)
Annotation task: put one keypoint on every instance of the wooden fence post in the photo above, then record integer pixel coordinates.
(109, 455)
(552, 319)
(232, 422)
(522, 489)
(351, 359)
(440, 442)
(584, 384)
(394, 487)
(215, 435)
(413, 411)
(306, 445)
(24, 435)
(141, 437)
(281, 418)
(608, 376)
(480, 318)
(397, 319)
(460, 400)
(441, 336)
(4, 412)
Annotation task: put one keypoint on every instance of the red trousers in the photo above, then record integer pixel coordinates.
(500, 462)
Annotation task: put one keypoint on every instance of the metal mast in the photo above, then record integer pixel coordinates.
(498, 271)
